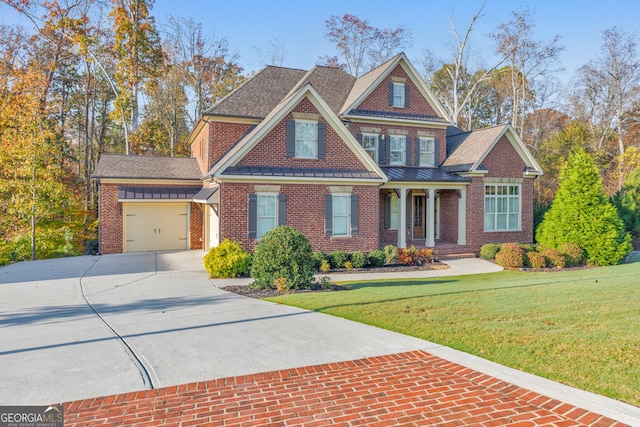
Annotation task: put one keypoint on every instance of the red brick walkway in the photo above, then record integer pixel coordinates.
(407, 389)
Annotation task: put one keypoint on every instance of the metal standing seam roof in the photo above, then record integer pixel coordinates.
(422, 174)
(157, 193)
(300, 172)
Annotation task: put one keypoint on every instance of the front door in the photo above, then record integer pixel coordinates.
(419, 216)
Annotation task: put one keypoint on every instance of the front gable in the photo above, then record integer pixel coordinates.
(265, 148)
(372, 96)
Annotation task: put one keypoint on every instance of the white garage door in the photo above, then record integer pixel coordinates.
(155, 226)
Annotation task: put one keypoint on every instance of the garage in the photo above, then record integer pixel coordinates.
(150, 226)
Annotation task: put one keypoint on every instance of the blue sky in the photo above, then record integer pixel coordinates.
(300, 24)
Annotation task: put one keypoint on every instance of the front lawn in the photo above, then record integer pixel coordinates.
(579, 327)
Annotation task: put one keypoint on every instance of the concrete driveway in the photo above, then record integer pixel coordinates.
(92, 326)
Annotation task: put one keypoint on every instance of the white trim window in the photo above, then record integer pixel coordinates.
(306, 139)
(267, 213)
(427, 152)
(398, 94)
(393, 212)
(341, 214)
(502, 205)
(370, 145)
(397, 149)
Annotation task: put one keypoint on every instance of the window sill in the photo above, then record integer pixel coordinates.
(503, 231)
(340, 237)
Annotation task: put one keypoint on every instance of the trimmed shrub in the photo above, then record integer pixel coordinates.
(377, 258)
(573, 253)
(489, 251)
(358, 259)
(391, 254)
(510, 255)
(228, 259)
(282, 253)
(554, 257)
(413, 256)
(318, 257)
(536, 260)
(337, 259)
(325, 265)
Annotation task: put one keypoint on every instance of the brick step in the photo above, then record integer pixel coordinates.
(446, 256)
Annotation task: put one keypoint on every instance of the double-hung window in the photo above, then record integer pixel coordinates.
(398, 95)
(306, 139)
(341, 214)
(427, 152)
(370, 145)
(502, 207)
(393, 212)
(267, 213)
(397, 149)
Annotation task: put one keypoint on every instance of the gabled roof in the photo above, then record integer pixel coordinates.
(259, 95)
(365, 84)
(147, 167)
(251, 139)
(332, 84)
(467, 150)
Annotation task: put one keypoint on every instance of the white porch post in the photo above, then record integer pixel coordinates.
(402, 221)
(431, 207)
(462, 217)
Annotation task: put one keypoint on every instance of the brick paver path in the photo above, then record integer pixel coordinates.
(406, 389)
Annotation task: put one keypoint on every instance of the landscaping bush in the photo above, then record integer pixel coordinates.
(536, 260)
(413, 256)
(554, 257)
(573, 253)
(337, 259)
(377, 258)
(391, 254)
(228, 259)
(489, 251)
(358, 259)
(318, 257)
(282, 253)
(510, 255)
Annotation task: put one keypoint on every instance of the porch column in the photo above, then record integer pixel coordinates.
(462, 217)
(402, 221)
(431, 209)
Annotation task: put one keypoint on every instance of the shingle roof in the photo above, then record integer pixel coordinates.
(421, 174)
(149, 167)
(258, 95)
(465, 149)
(332, 84)
(364, 82)
(300, 172)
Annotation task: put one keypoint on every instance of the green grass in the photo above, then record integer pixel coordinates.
(579, 327)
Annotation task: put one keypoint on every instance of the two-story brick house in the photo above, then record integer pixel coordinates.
(353, 163)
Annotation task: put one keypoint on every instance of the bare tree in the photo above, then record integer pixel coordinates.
(273, 54)
(608, 87)
(362, 46)
(529, 59)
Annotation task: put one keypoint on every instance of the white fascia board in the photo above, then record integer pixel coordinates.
(299, 180)
(518, 145)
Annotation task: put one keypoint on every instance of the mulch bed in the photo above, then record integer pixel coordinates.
(266, 293)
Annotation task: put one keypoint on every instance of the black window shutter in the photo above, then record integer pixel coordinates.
(359, 137)
(328, 215)
(322, 137)
(387, 154)
(291, 138)
(282, 209)
(436, 153)
(381, 150)
(417, 159)
(407, 146)
(354, 214)
(390, 94)
(253, 216)
(387, 211)
(407, 91)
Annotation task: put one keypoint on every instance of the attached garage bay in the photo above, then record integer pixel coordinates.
(151, 226)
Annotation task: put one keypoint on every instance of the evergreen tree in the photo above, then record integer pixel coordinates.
(581, 214)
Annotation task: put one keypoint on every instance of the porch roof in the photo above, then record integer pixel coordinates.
(157, 193)
(422, 174)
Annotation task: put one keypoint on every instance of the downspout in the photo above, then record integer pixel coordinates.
(97, 181)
